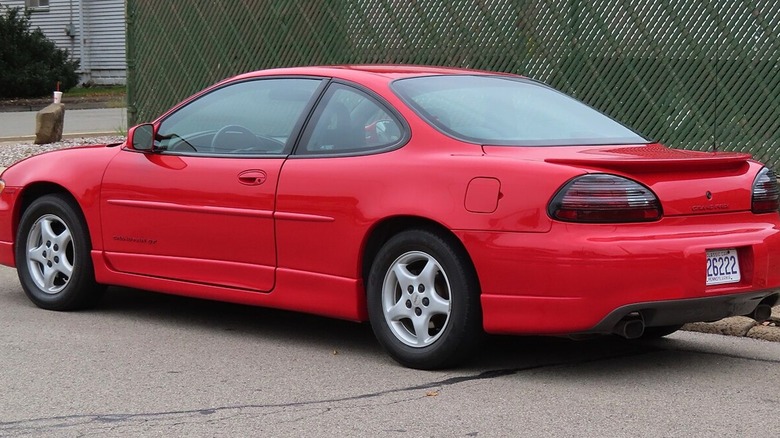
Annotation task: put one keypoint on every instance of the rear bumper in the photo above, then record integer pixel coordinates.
(512, 315)
(577, 278)
(674, 312)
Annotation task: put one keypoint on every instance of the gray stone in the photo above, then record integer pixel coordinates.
(734, 326)
(776, 312)
(765, 332)
(48, 124)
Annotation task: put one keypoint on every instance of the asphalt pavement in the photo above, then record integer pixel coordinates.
(154, 365)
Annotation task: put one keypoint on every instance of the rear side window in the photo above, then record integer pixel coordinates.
(499, 110)
(349, 121)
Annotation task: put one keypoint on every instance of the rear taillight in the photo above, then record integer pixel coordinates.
(766, 195)
(599, 198)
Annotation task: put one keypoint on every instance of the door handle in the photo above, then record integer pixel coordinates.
(252, 177)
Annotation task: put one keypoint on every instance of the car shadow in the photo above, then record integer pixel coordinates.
(508, 353)
(236, 318)
(524, 353)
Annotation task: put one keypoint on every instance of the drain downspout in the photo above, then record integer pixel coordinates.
(85, 68)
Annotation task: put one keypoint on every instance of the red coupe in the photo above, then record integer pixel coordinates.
(436, 203)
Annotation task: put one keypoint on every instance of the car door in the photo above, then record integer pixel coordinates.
(334, 182)
(199, 207)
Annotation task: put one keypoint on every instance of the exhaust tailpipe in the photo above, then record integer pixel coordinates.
(762, 312)
(632, 326)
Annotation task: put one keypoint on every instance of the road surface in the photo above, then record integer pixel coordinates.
(144, 364)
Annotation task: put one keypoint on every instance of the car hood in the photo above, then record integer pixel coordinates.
(686, 182)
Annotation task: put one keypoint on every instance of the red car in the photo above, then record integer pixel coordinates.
(436, 203)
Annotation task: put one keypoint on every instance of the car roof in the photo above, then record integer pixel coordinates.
(355, 72)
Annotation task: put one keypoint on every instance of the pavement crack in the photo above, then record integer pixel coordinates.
(35, 425)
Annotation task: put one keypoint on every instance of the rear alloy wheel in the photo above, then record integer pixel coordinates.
(423, 300)
(53, 256)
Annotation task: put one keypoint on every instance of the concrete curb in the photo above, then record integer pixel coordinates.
(741, 326)
(31, 138)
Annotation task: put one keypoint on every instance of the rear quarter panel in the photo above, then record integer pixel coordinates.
(338, 201)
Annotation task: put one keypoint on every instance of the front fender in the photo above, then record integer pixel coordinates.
(76, 171)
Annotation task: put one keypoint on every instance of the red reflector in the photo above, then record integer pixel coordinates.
(600, 198)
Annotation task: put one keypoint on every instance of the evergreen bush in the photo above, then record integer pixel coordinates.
(30, 64)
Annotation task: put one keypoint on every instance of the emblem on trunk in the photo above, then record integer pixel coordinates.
(708, 195)
(710, 207)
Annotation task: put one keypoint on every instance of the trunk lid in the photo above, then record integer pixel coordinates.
(686, 182)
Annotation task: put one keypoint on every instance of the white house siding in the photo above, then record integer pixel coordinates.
(105, 32)
(103, 59)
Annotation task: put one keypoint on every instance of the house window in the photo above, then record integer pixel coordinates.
(37, 5)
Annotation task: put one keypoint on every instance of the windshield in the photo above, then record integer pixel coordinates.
(509, 111)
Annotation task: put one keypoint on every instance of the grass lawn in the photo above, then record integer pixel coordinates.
(102, 91)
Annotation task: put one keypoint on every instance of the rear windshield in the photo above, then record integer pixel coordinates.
(498, 110)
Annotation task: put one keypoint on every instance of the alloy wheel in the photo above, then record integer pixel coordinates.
(416, 298)
(50, 254)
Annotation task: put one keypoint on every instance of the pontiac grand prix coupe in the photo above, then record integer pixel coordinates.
(438, 204)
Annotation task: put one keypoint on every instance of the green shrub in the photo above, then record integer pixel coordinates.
(30, 64)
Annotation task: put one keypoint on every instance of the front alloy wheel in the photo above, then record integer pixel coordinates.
(50, 254)
(423, 300)
(53, 255)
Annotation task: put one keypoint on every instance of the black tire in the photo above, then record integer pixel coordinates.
(660, 331)
(444, 298)
(53, 228)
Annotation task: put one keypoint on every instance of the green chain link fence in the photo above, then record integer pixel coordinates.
(694, 74)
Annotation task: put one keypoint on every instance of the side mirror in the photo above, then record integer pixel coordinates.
(141, 137)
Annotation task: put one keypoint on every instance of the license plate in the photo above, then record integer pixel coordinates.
(722, 267)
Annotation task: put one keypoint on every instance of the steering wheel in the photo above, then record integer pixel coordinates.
(232, 137)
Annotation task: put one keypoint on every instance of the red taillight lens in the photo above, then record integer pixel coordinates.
(766, 195)
(600, 198)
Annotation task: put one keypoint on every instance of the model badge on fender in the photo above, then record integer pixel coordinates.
(141, 240)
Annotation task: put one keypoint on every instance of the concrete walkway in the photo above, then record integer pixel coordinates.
(20, 126)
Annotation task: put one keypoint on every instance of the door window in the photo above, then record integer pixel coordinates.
(246, 118)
